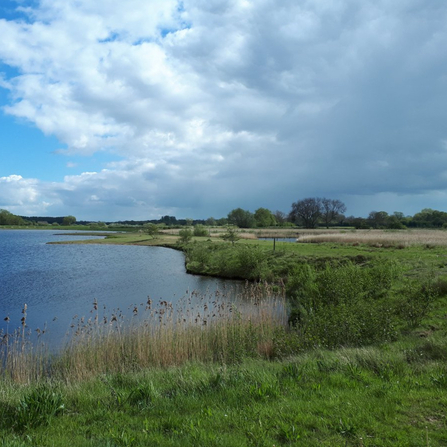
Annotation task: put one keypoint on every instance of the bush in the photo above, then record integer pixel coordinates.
(417, 301)
(200, 231)
(239, 261)
(344, 305)
(250, 261)
(198, 257)
(357, 324)
(185, 235)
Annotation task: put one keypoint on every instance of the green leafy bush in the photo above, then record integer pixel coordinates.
(201, 231)
(343, 305)
(185, 235)
(250, 261)
(418, 300)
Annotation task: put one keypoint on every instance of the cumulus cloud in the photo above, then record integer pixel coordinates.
(217, 104)
(19, 194)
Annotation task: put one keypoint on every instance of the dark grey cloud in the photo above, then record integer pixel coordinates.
(242, 103)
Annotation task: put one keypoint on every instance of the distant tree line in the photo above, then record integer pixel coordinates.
(427, 218)
(311, 212)
(172, 221)
(46, 220)
(7, 218)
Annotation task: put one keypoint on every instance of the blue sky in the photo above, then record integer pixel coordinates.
(113, 110)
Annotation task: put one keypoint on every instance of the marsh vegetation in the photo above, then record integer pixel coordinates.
(355, 355)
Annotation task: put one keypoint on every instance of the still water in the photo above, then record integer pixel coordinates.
(58, 282)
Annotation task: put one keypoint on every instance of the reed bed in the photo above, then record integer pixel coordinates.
(380, 238)
(203, 328)
(216, 232)
(19, 358)
(291, 232)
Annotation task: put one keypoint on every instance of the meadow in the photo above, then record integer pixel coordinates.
(342, 342)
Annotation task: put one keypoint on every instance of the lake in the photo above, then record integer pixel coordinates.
(59, 282)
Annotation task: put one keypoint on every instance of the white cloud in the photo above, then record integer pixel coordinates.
(223, 103)
(21, 195)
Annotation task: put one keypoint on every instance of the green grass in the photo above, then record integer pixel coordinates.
(257, 382)
(376, 396)
(417, 259)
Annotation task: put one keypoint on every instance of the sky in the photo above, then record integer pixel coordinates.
(139, 109)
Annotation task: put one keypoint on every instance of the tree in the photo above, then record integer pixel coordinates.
(399, 215)
(7, 218)
(359, 223)
(231, 235)
(241, 218)
(264, 218)
(68, 220)
(429, 218)
(306, 212)
(151, 229)
(222, 221)
(168, 220)
(331, 209)
(280, 217)
(378, 219)
(394, 223)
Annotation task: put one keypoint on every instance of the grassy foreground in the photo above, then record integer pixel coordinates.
(371, 397)
(364, 365)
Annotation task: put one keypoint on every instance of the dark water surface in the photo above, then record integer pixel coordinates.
(60, 281)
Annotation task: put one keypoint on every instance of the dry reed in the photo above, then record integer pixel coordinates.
(222, 327)
(380, 238)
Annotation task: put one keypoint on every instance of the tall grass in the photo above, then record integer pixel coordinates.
(379, 238)
(224, 327)
(354, 305)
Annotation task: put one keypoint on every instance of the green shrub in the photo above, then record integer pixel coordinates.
(239, 261)
(416, 301)
(185, 235)
(201, 231)
(343, 305)
(251, 261)
(198, 257)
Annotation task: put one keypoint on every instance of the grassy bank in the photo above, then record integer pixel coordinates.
(359, 360)
(370, 397)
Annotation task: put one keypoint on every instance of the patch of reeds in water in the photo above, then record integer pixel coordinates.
(224, 326)
(19, 358)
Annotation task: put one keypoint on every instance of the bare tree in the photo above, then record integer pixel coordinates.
(306, 212)
(331, 209)
(280, 217)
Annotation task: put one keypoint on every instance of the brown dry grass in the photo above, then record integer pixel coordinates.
(379, 238)
(203, 329)
(216, 232)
